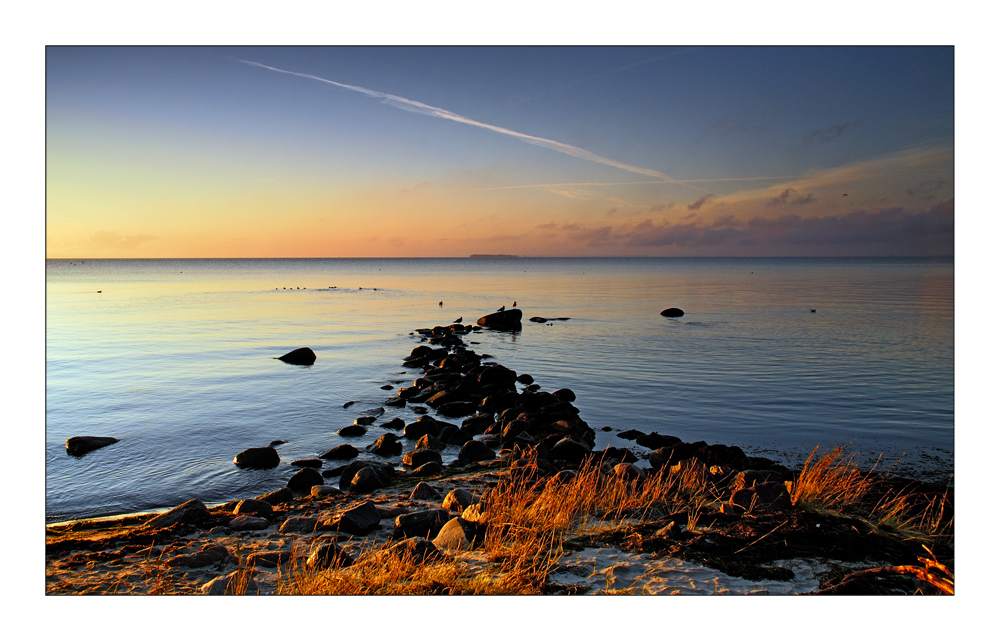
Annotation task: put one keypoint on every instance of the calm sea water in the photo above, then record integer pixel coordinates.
(176, 359)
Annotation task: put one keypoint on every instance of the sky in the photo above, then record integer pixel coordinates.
(157, 152)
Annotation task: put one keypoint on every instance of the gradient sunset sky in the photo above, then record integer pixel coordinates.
(548, 151)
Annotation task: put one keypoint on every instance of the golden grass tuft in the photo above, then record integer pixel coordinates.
(833, 481)
(528, 521)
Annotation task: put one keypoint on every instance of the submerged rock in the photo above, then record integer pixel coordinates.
(261, 458)
(80, 445)
(300, 356)
(672, 312)
(508, 319)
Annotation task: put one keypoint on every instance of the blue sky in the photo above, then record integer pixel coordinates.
(183, 151)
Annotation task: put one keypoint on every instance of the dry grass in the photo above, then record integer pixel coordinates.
(833, 482)
(918, 516)
(528, 523)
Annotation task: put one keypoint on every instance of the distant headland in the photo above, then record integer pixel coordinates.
(493, 256)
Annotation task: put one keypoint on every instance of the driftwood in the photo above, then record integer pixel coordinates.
(933, 573)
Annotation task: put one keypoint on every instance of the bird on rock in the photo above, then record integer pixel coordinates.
(502, 307)
(458, 320)
(515, 304)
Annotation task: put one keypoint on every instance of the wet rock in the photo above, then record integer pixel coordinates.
(428, 441)
(269, 558)
(538, 319)
(564, 394)
(424, 491)
(456, 409)
(525, 379)
(358, 521)
(430, 468)
(341, 452)
(261, 458)
(277, 496)
(570, 450)
(507, 319)
(655, 441)
(306, 462)
(476, 451)
(207, 555)
(458, 534)
(365, 481)
(80, 445)
(457, 500)
(301, 356)
(352, 430)
(249, 523)
(395, 424)
(762, 496)
(627, 471)
(416, 458)
(423, 425)
(253, 507)
(387, 445)
(386, 387)
(299, 524)
(750, 478)
(193, 511)
(385, 471)
(672, 312)
(426, 523)
(277, 442)
(451, 435)
(328, 555)
(498, 375)
(364, 420)
(304, 479)
(630, 435)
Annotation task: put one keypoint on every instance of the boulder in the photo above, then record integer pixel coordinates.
(426, 523)
(424, 491)
(300, 356)
(672, 312)
(627, 471)
(249, 523)
(763, 496)
(458, 534)
(301, 524)
(427, 469)
(359, 520)
(394, 424)
(429, 442)
(416, 458)
(366, 420)
(341, 452)
(476, 451)
(365, 481)
(423, 425)
(387, 445)
(385, 471)
(207, 555)
(568, 449)
(304, 479)
(260, 458)
(564, 394)
(507, 319)
(352, 430)
(456, 409)
(750, 478)
(306, 462)
(253, 507)
(320, 491)
(328, 555)
(277, 496)
(475, 513)
(193, 511)
(80, 445)
(457, 500)
(655, 440)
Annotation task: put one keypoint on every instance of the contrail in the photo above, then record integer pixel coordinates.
(436, 112)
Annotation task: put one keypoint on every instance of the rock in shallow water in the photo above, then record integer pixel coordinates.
(80, 445)
(672, 312)
(301, 356)
(261, 458)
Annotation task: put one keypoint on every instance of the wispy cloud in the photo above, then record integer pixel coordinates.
(696, 205)
(835, 131)
(786, 195)
(436, 112)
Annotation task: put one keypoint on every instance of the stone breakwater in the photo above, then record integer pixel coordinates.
(398, 493)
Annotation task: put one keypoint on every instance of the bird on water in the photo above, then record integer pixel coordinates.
(441, 304)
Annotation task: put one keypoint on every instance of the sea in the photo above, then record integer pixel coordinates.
(177, 359)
